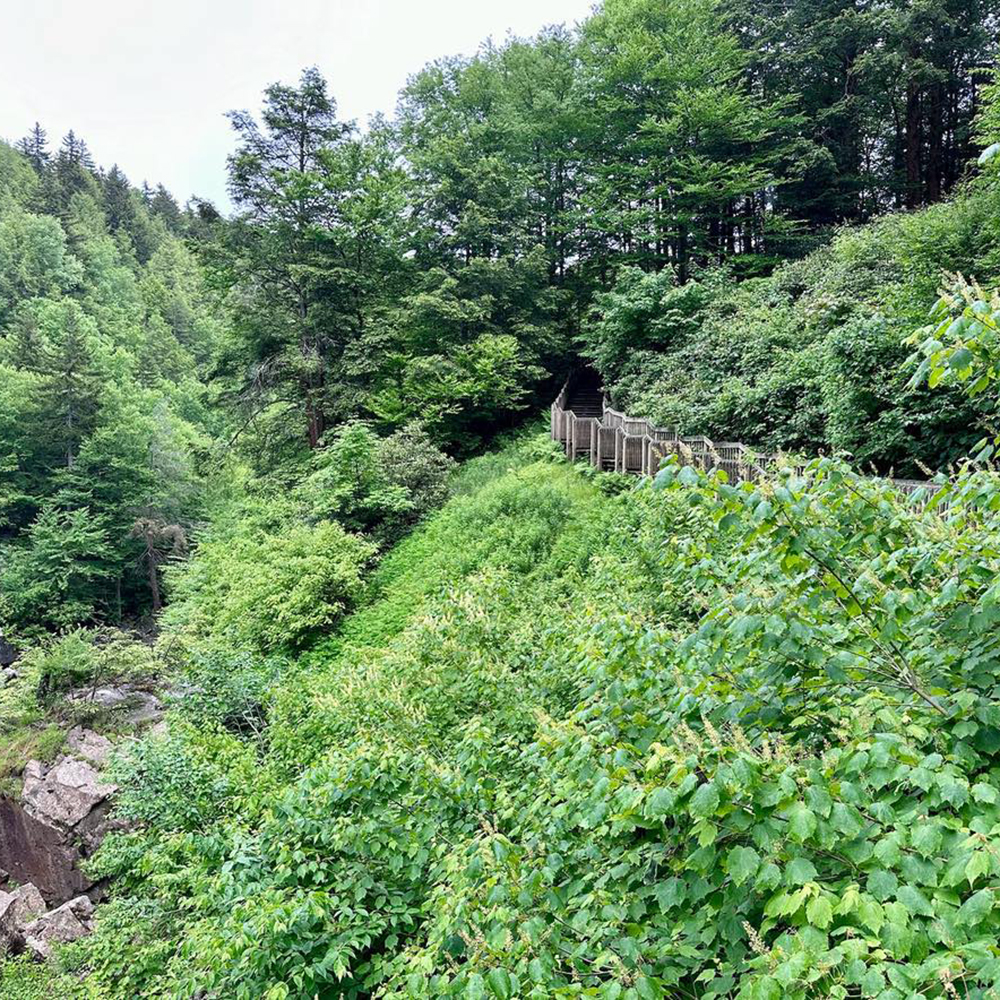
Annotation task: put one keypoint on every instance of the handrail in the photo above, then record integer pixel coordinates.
(637, 447)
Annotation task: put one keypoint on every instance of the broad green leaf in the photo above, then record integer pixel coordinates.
(819, 912)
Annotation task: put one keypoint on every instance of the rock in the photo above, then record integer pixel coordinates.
(64, 794)
(89, 744)
(44, 853)
(146, 707)
(102, 697)
(8, 654)
(9, 674)
(137, 705)
(17, 909)
(66, 923)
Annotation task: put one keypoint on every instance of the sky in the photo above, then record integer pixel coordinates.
(147, 85)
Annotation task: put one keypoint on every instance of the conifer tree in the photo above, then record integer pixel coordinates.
(35, 147)
(280, 179)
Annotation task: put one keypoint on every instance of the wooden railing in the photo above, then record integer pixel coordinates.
(616, 442)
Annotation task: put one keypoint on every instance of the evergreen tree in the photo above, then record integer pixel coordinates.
(682, 155)
(35, 146)
(284, 246)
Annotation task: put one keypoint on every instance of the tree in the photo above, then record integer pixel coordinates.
(313, 255)
(71, 389)
(887, 92)
(682, 156)
(35, 146)
(279, 243)
(163, 205)
(160, 541)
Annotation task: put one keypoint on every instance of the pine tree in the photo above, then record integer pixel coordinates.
(163, 204)
(71, 391)
(279, 178)
(35, 147)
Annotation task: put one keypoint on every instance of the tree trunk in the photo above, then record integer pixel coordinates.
(912, 144)
(154, 583)
(935, 145)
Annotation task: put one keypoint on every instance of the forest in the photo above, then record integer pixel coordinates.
(362, 688)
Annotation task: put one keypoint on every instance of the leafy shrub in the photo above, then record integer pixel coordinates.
(410, 459)
(87, 656)
(22, 978)
(227, 690)
(263, 591)
(379, 486)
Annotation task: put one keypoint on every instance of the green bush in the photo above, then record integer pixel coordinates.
(379, 486)
(266, 591)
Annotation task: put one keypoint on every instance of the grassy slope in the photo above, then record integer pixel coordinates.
(473, 625)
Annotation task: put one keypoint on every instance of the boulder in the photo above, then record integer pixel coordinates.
(134, 705)
(65, 923)
(64, 794)
(41, 853)
(17, 909)
(86, 743)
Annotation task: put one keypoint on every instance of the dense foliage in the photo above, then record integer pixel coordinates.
(511, 727)
(105, 329)
(732, 741)
(810, 358)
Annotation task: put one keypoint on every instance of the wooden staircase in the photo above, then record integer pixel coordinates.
(588, 427)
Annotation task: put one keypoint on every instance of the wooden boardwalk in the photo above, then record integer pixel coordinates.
(612, 441)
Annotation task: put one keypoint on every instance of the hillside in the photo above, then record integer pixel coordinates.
(575, 739)
(812, 357)
(323, 673)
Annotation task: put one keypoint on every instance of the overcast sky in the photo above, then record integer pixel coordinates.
(147, 85)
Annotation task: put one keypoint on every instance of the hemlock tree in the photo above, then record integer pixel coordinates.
(281, 250)
(35, 147)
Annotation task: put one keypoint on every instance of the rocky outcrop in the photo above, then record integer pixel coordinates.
(89, 745)
(65, 794)
(65, 923)
(33, 851)
(61, 818)
(17, 909)
(136, 706)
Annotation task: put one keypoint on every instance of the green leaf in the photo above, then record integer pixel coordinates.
(800, 871)
(979, 865)
(475, 989)
(801, 822)
(926, 838)
(872, 915)
(705, 801)
(500, 983)
(660, 803)
(915, 901)
(819, 912)
(743, 863)
(882, 884)
(982, 792)
(976, 908)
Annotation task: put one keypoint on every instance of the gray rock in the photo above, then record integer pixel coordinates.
(46, 854)
(66, 923)
(87, 743)
(17, 909)
(64, 794)
(145, 707)
(137, 706)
